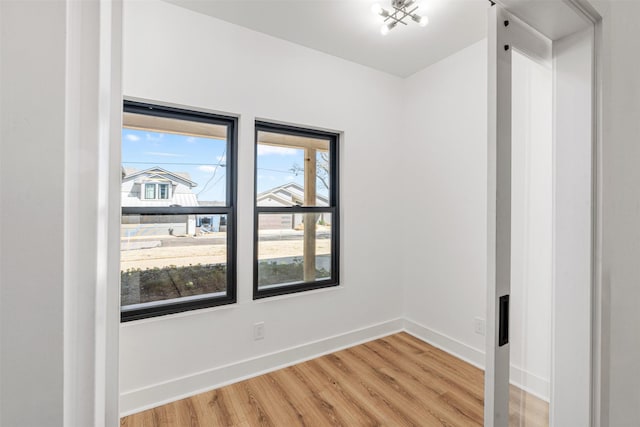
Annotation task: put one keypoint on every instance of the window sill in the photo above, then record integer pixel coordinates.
(186, 313)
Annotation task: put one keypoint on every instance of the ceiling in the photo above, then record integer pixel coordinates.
(348, 29)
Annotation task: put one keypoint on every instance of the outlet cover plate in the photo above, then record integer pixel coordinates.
(258, 331)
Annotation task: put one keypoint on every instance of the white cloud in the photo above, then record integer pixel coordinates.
(267, 177)
(290, 177)
(153, 136)
(207, 168)
(163, 154)
(132, 137)
(264, 150)
(191, 140)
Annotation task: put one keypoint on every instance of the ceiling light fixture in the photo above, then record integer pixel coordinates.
(402, 9)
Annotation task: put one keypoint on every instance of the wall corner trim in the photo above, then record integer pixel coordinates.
(445, 343)
(528, 381)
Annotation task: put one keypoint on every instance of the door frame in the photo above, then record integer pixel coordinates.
(497, 357)
(506, 32)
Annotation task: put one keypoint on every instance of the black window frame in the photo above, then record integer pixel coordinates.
(229, 209)
(333, 209)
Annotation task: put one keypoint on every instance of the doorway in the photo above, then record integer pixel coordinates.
(540, 251)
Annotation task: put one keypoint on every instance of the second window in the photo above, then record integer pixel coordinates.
(296, 220)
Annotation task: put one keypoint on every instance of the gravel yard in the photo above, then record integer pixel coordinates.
(156, 268)
(163, 251)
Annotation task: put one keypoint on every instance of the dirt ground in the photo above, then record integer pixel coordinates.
(210, 249)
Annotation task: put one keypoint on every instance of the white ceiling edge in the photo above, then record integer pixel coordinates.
(347, 29)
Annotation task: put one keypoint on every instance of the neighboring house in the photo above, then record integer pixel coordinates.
(290, 194)
(157, 187)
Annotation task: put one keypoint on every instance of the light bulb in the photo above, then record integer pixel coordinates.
(384, 30)
(379, 10)
(421, 20)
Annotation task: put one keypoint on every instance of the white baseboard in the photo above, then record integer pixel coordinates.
(169, 391)
(161, 393)
(527, 381)
(531, 383)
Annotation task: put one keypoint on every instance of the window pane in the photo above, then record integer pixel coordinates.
(150, 191)
(292, 170)
(185, 160)
(169, 257)
(288, 254)
(163, 191)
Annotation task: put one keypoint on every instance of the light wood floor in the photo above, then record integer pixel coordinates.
(393, 381)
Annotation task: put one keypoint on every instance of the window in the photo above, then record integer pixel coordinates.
(296, 215)
(163, 191)
(150, 191)
(178, 194)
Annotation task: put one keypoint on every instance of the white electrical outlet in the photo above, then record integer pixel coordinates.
(258, 331)
(478, 326)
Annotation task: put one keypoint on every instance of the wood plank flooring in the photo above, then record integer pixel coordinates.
(393, 381)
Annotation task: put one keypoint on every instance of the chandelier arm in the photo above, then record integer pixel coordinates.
(401, 11)
(394, 17)
(401, 19)
(404, 13)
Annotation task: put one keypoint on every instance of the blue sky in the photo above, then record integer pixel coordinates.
(202, 158)
(275, 164)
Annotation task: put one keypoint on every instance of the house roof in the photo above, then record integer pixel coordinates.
(286, 193)
(130, 173)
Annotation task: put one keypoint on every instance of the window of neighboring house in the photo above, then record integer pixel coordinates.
(149, 191)
(177, 253)
(163, 191)
(296, 215)
(152, 189)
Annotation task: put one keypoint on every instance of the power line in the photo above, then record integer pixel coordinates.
(275, 170)
(213, 174)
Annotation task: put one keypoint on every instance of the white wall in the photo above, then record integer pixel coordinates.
(176, 56)
(444, 260)
(32, 220)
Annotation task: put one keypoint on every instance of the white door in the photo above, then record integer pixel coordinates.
(520, 224)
